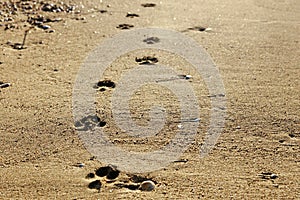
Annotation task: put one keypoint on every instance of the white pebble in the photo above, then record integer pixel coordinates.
(188, 76)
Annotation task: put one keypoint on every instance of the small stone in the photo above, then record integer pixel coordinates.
(45, 27)
(147, 186)
(188, 76)
(5, 85)
(80, 165)
(273, 176)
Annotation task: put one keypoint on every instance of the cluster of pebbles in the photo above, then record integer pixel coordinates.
(110, 173)
(18, 14)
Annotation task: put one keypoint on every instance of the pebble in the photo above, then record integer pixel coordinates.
(147, 186)
(188, 76)
(81, 165)
(45, 27)
(273, 176)
(5, 85)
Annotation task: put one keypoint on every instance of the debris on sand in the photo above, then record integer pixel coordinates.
(34, 11)
(185, 76)
(268, 175)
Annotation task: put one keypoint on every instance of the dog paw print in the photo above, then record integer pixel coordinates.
(110, 172)
(124, 26)
(146, 60)
(151, 40)
(103, 85)
(148, 5)
(132, 15)
(109, 176)
(89, 122)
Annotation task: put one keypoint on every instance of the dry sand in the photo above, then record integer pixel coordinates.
(255, 45)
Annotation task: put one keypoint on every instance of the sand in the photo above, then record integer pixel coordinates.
(254, 44)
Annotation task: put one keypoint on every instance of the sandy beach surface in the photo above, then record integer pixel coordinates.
(253, 43)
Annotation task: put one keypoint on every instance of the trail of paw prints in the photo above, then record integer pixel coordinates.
(109, 175)
(91, 121)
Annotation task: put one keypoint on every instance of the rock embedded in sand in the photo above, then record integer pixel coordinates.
(4, 85)
(147, 186)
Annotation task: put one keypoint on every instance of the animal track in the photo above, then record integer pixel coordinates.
(151, 40)
(132, 15)
(124, 26)
(89, 122)
(148, 5)
(95, 185)
(132, 182)
(146, 60)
